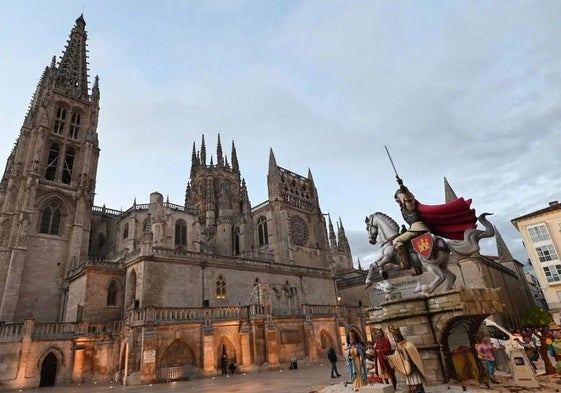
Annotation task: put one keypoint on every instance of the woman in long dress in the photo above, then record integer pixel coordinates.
(356, 363)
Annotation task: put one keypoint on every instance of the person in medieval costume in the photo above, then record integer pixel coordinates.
(383, 348)
(449, 220)
(407, 361)
(356, 363)
(554, 347)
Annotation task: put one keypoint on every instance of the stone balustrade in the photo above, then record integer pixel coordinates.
(11, 332)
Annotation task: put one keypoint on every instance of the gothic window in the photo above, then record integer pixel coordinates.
(51, 218)
(68, 164)
(262, 231)
(220, 287)
(298, 231)
(126, 231)
(236, 241)
(180, 233)
(52, 162)
(74, 125)
(112, 293)
(60, 120)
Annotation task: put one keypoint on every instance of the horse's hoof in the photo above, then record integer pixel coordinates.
(416, 274)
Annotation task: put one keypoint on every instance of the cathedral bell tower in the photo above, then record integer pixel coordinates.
(48, 187)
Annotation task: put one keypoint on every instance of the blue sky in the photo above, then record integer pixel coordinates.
(470, 91)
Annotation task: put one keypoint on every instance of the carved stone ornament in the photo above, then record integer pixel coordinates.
(298, 231)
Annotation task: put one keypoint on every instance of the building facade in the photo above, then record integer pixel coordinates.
(541, 234)
(161, 290)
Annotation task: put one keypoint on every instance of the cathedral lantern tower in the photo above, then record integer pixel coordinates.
(218, 194)
(48, 187)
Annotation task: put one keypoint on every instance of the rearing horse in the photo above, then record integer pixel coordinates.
(383, 228)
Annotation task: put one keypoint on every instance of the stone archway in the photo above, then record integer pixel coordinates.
(326, 341)
(357, 332)
(225, 346)
(49, 368)
(178, 353)
(457, 341)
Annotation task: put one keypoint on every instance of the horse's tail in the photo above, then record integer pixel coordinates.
(470, 244)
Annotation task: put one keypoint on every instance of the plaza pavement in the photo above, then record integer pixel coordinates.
(307, 379)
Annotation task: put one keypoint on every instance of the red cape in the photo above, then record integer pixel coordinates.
(449, 220)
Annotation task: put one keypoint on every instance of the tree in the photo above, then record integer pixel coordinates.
(537, 318)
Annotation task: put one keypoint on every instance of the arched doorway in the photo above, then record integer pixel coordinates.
(225, 347)
(48, 371)
(326, 341)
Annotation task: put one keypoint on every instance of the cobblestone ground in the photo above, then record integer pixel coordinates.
(310, 379)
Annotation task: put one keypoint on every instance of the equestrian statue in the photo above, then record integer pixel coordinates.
(436, 232)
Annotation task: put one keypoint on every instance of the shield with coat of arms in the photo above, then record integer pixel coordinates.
(423, 244)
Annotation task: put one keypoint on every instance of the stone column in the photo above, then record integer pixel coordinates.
(148, 359)
(272, 344)
(311, 341)
(25, 351)
(245, 331)
(209, 351)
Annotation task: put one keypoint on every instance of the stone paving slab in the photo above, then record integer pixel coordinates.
(310, 379)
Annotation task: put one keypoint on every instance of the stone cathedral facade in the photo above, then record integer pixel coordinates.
(162, 290)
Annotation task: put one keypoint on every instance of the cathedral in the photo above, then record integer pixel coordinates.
(162, 290)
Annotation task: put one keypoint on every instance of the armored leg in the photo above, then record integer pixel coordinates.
(403, 257)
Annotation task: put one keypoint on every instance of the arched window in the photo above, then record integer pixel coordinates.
(52, 162)
(126, 231)
(112, 293)
(74, 125)
(220, 287)
(180, 233)
(60, 120)
(262, 232)
(68, 165)
(51, 218)
(236, 241)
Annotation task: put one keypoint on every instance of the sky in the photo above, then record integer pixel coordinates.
(467, 90)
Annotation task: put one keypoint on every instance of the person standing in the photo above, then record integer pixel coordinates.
(332, 356)
(224, 364)
(485, 352)
(407, 360)
(382, 348)
(356, 358)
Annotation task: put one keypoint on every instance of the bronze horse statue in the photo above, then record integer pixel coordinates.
(382, 228)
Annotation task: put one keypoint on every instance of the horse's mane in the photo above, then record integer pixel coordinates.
(390, 220)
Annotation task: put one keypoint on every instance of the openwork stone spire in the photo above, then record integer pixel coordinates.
(72, 73)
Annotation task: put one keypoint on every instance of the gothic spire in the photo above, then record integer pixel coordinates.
(219, 156)
(194, 159)
(502, 250)
(203, 152)
(188, 195)
(332, 236)
(342, 237)
(234, 156)
(449, 194)
(72, 73)
(95, 90)
(246, 204)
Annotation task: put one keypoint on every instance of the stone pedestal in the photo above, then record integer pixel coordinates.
(426, 321)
